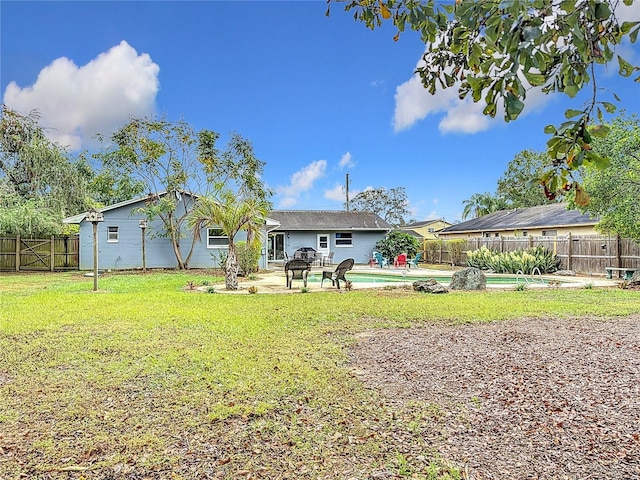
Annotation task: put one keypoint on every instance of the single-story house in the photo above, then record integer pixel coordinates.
(427, 229)
(120, 236)
(346, 234)
(543, 220)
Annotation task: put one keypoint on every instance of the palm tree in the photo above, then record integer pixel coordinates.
(481, 204)
(230, 213)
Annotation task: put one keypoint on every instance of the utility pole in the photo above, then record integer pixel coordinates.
(347, 191)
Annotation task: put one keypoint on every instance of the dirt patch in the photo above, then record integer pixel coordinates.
(532, 398)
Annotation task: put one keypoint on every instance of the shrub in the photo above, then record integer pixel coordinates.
(430, 249)
(455, 248)
(397, 242)
(219, 258)
(480, 258)
(248, 256)
(525, 261)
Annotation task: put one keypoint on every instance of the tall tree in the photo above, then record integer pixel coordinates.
(497, 51)
(481, 204)
(391, 205)
(231, 213)
(615, 192)
(170, 157)
(33, 169)
(519, 185)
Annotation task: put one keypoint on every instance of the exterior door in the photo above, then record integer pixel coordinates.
(276, 246)
(323, 244)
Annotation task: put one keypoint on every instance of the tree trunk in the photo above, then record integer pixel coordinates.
(175, 242)
(231, 269)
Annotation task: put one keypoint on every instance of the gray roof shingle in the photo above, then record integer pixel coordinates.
(552, 215)
(328, 220)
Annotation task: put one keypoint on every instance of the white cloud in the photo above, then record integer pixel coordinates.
(337, 193)
(415, 103)
(301, 181)
(435, 201)
(627, 13)
(75, 103)
(346, 161)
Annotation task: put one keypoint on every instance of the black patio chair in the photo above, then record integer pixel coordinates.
(297, 269)
(338, 274)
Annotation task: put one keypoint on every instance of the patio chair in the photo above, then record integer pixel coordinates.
(296, 269)
(380, 260)
(400, 261)
(414, 261)
(328, 259)
(338, 274)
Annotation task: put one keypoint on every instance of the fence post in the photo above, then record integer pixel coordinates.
(17, 253)
(53, 254)
(569, 250)
(618, 253)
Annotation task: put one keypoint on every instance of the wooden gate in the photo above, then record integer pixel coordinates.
(39, 254)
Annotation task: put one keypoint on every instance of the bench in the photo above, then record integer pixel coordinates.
(628, 272)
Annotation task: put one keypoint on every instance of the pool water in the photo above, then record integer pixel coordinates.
(385, 278)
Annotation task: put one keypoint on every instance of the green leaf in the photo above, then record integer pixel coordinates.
(573, 113)
(609, 107)
(599, 131)
(633, 36)
(628, 2)
(550, 129)
(534, 79)
(626, 69)
(603, 11)
(627, 26)
(513, 106)
(571, 90)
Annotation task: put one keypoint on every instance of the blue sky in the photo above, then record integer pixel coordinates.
(319, 97)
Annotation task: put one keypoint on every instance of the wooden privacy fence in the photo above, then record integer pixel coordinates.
(580, 253)
(19, 254)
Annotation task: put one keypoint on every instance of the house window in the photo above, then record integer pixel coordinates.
(549, 233)
(496, 234)
(431, 229)
(344, 239)
(486, 234)
(112, 234)
(216, 238)
(525, 233)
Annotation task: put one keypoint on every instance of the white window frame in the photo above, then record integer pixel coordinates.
(211, 235)
(338, 239)
(431, 229)
(113, 234)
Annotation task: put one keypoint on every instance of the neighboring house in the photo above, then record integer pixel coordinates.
(543, 220)
(120, 239)
(427, 229)
(346, 234)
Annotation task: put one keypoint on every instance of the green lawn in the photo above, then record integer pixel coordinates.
(145, 378)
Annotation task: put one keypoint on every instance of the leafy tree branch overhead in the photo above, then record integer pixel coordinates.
(498, 51)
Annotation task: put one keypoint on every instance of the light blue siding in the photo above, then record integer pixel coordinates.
(126, 253)
(360, 250)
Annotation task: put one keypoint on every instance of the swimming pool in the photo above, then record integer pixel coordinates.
(390, 278)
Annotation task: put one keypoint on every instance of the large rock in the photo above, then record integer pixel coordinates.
(428, 286)
(468, 279)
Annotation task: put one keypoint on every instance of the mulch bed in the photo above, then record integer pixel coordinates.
(526, 399)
